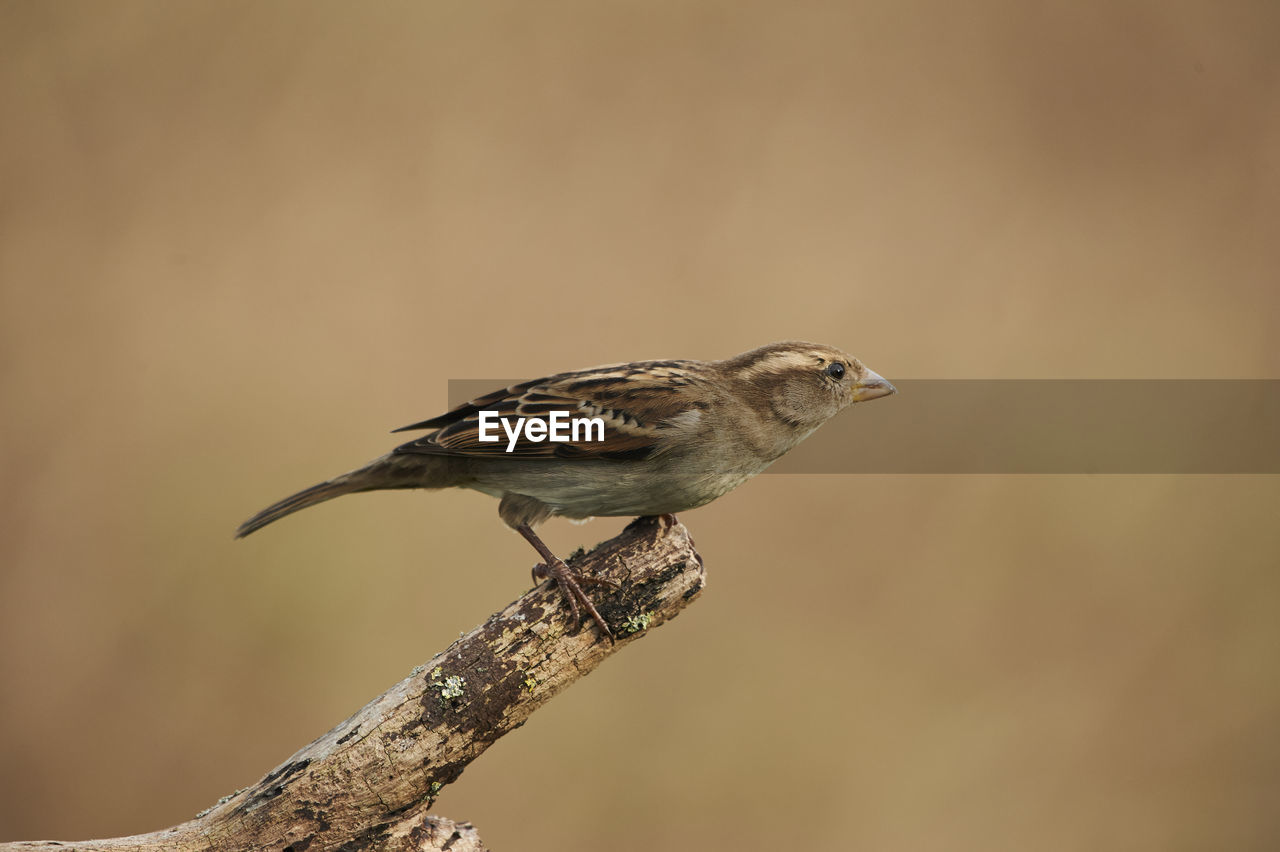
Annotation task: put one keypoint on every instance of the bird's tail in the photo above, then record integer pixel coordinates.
(390, 471)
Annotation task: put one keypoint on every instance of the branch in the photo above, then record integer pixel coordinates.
(367, 784)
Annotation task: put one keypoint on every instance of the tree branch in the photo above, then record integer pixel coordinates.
(367, 784)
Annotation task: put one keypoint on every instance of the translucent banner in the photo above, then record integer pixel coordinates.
(1038, 426)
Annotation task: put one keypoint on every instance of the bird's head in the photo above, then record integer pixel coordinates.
(805, 384)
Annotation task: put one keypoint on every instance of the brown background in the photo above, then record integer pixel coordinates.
(242, 240)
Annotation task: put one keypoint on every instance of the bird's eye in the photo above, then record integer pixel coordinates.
(835, 370)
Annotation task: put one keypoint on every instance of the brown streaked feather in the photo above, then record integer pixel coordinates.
(635, 401)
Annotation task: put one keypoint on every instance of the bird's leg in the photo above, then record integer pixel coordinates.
(565, 577)
(668, 520)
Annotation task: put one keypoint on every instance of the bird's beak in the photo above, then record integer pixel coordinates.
(872, 386)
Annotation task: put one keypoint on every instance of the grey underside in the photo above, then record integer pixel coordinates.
(583, 488)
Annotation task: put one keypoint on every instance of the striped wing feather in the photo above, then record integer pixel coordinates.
(635, 401)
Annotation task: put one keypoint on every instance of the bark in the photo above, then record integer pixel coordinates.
(368, 783)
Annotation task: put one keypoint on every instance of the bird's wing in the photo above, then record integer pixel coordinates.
(640, 405)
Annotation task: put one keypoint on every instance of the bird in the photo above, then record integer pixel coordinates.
(647, 438)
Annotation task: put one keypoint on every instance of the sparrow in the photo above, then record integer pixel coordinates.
(656, 438)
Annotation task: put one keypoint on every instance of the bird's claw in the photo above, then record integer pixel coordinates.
(570, 583)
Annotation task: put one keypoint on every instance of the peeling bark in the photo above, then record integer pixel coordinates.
(367, 784)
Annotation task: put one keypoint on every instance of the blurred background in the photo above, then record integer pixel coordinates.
(241, 241)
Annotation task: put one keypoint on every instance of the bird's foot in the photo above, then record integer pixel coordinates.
(570, 583)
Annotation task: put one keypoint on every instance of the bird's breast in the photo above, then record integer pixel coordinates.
(604, 488)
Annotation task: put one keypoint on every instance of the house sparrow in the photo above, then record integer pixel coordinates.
(647, 438)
